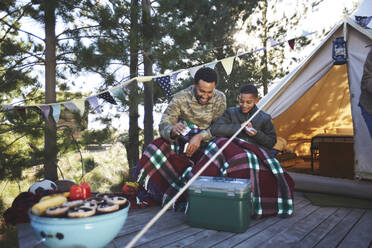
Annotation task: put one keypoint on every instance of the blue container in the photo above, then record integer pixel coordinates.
(96, 231)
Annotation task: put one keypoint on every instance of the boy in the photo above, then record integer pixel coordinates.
(260, 131)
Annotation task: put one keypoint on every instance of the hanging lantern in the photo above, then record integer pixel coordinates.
(339, 51)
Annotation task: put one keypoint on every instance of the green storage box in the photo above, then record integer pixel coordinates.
(220, 203)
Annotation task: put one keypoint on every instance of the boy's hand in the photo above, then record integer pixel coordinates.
(249, 130)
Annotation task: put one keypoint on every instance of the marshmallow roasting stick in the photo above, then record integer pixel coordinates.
(170, 203)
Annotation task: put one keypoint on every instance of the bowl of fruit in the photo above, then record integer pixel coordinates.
(62, 221)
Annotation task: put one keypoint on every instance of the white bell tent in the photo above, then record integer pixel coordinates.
(319, 97)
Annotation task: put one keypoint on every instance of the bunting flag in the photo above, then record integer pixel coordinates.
(363, 20)
(56, 111)
(164, 83)
(80, 104)
(211, 65)
(22, 112)
(291, 43)
(71, 106)
(7, 107)
(163, 80)
(305, 33)
(117, 92)
(46, 110)
(194, 69)
(228, 64)
(93, 103)
(106, 96)
(273, 43)
(174, 76)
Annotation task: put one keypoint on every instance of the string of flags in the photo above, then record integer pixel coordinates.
(164, 81)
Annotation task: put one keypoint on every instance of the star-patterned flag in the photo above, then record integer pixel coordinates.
(363, 20)
(291, 43)
(164, 83)
(107, 96)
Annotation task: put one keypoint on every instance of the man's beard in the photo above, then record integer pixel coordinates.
(200, 97)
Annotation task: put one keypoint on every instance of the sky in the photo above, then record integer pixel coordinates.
(327, 14)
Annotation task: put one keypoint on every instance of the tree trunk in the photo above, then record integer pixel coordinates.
(265, 38)
(148, 86)
(133, 147)
(50, 145)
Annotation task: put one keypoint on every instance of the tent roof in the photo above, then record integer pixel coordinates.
(364, 8)
(268, 99)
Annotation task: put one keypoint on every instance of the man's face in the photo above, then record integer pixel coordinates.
(204, 91)
(247, 102)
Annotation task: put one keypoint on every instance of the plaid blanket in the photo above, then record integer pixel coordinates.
(272, 187)
(163, 170)
(161, 167)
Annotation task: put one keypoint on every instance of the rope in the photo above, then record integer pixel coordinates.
(170, 203)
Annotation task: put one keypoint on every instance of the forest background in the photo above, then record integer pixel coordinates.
(59, 50)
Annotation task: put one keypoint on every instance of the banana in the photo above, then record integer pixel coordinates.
(55, 201)
(65, 194)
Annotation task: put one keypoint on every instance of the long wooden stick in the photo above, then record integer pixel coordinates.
(170, 203)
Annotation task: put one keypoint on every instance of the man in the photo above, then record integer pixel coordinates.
(365, 100)
(199, 104)
(163, 162)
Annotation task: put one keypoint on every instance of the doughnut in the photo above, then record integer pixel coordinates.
(80, 212)
(72, 204)
(56, 211)
(96, 200)
(104, 195)
(89, 204)
(107, 207)
(120, 200)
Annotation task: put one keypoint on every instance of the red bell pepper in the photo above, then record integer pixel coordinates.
(87, 189)
(80, 192)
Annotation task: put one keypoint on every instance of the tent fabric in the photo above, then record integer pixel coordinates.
(319, 97)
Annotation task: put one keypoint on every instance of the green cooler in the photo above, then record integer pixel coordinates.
(220, 203)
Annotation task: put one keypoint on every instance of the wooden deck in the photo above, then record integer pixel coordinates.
(310, 226)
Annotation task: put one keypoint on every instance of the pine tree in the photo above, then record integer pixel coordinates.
(55, 55)
(270, 23)
(199, 32)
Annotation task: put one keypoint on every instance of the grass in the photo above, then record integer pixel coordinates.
(108, 175)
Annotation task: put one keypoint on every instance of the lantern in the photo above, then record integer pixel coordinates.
(339, 51)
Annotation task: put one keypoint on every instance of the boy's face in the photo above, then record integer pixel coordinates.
(247, 102)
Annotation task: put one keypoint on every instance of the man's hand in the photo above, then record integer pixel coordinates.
(177, 129)
(250, 130)
(194, 144)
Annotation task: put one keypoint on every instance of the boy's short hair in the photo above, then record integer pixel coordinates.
(249, 89)
(206, 74)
